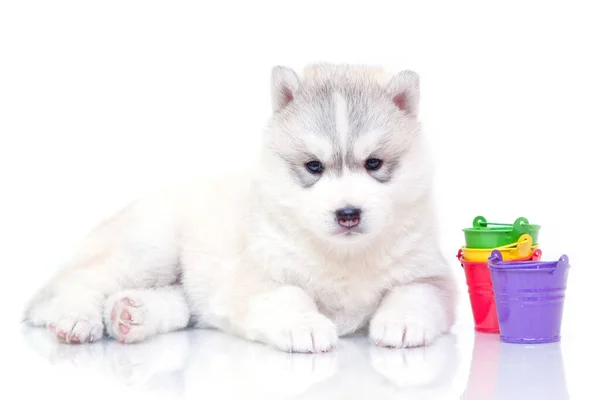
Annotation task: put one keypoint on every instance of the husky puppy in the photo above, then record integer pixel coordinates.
(332, 231)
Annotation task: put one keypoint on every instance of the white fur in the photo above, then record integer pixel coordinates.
(134, 315)
(342, 125)
(257, 255)
(407, 317)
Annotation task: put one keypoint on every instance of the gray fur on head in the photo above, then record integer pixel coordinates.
(341, 116)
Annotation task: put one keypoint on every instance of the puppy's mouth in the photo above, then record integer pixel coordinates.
(349, 232)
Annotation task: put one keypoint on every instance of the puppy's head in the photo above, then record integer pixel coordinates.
(344, 159)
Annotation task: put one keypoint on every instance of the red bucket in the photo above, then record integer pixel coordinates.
(481, 295)
(481, 292)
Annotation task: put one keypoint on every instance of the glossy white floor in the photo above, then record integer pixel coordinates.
(210, 365)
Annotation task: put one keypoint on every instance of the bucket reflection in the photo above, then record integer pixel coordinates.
(484, 367)
(533, 371)
(515, 371)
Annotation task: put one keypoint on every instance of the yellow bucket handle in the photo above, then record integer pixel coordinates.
(524, 240)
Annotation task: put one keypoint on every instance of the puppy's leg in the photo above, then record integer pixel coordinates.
(135, 249)
(414, 314)
(283, 316)
(134, 315)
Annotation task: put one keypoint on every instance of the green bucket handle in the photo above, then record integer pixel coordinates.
(518, 225)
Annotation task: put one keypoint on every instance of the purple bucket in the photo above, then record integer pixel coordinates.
(529, 298)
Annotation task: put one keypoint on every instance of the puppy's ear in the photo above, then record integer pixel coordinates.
(404, 89)
(284, 87)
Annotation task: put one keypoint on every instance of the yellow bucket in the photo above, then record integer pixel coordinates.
(522, 250)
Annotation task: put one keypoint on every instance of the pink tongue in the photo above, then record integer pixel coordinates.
(344, 222)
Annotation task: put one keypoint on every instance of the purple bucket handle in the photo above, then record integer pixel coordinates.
(562, 263)
(495, 257)
(563, 260)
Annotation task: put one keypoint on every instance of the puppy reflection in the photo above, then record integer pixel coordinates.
(195, 363)
(158, 363)
(228, 367)
(369, 372)
(421, 369)
(84, 356)
(211, 364)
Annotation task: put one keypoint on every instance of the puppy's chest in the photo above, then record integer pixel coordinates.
(350, 300)
(347, 291)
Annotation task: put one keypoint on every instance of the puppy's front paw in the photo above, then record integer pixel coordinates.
(412, 316)
(302, 333)
(126, 318)
(403, 330)
(77, 330)
(75, 319)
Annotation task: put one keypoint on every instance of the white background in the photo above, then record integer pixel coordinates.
(101, 101)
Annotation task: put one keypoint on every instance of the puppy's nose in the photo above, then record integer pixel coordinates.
(348, 216)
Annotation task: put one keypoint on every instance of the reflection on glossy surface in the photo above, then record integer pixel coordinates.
(483, 372)
(209, 364)
(515, 371)
(533, 371)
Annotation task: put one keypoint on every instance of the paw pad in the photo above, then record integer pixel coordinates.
(127, 321)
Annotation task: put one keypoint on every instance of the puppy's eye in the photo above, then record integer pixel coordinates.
(373, 164)
(314, 167)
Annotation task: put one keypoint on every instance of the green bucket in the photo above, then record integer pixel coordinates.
(489, 235)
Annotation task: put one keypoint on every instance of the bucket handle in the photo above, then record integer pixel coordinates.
(520, 224)
(524, 240)
(480, 222)
(459, 256)
(496, 257)
(460, 253)
(564, 259)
